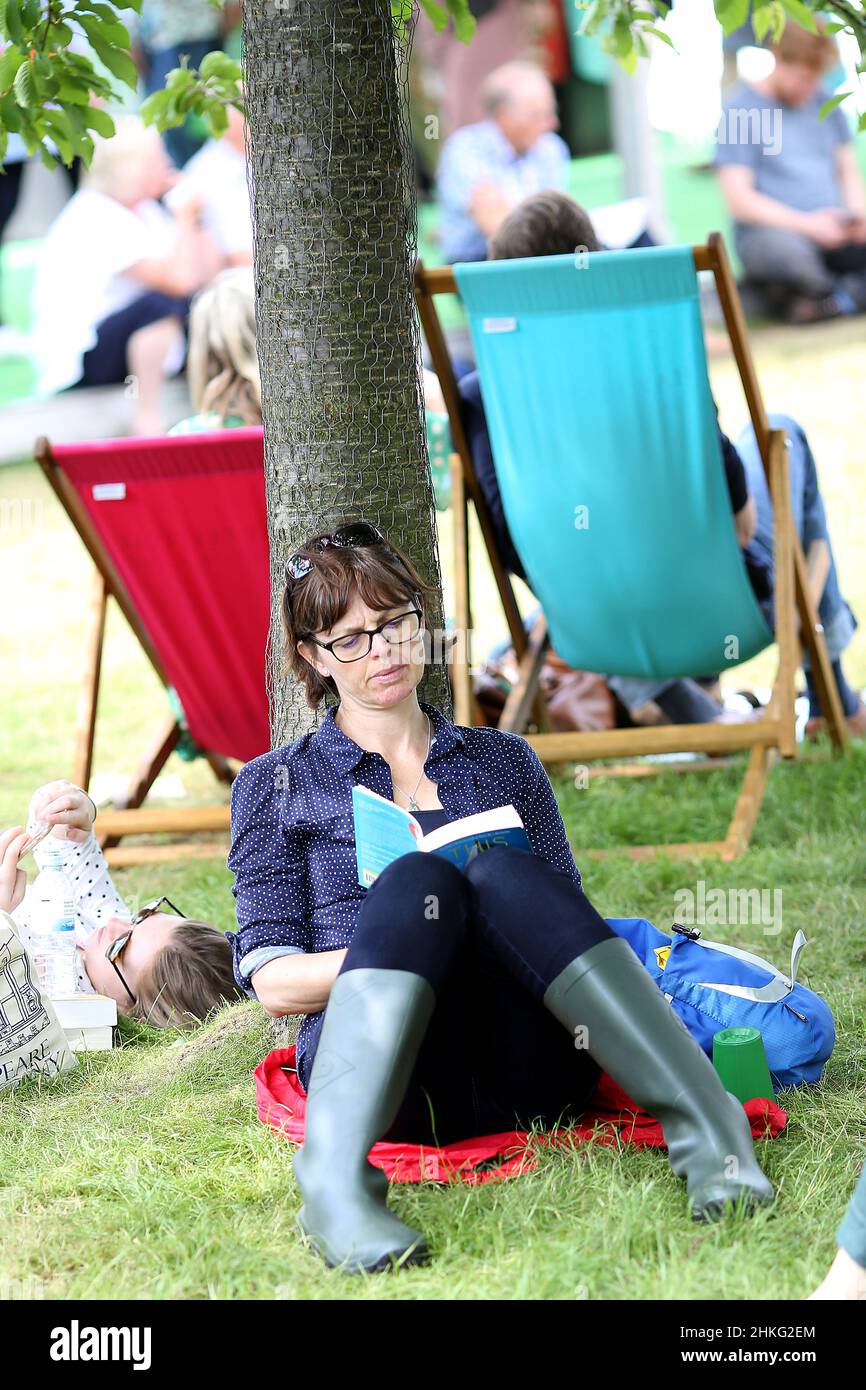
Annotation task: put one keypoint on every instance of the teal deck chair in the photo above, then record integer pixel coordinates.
(594, 379)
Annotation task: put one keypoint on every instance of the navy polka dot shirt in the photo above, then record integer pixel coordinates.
(293, 844)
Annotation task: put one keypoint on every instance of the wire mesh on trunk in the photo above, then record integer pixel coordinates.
(335, 237)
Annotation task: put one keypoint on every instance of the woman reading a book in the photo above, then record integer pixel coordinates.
(440, 1004)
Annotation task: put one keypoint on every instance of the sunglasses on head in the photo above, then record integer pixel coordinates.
(353, 536)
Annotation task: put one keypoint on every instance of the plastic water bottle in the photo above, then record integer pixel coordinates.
(53, 929)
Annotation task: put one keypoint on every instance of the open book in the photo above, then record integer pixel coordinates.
(384, 831)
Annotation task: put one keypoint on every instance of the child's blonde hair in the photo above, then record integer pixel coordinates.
(223, 364)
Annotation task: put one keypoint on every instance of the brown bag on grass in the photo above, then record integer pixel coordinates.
(577, 701)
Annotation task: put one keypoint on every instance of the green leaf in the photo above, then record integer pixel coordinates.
(153, 107)
(731, 14)
(98, 30)
(10, 113)
(437, 15)
(12, 20)
(60, 35)
(762, 21)
(31, 11)
(25, 86)
(660, 34)
(48, 159)
(100, 121)
(217, 121)
(178, 79)
(59, 134)
(106, 12)
(463, 19)
(71, 94)
(219, 65)
(801, 14)
(832, 103)
(117, 62)
(592, 20)
(9, 65)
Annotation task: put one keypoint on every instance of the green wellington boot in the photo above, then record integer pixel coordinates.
(374, 1025)
(634, 1034)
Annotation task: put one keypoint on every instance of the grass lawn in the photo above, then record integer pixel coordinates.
(151, 1160)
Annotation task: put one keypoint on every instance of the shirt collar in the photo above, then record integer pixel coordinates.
(346, 754)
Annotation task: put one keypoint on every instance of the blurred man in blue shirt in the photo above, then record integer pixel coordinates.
(793, 185)
(488, 168)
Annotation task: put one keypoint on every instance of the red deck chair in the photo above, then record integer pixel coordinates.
(177, 531)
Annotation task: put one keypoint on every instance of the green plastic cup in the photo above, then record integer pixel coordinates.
(740, 1060)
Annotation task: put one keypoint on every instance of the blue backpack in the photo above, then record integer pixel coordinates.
(713, 986)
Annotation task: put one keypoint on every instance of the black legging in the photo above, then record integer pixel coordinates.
(490, 940)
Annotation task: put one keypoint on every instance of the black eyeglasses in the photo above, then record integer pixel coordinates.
(354, 645)
(119, 944)
(354, 536)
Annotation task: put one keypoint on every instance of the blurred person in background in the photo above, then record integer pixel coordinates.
(115, 273)
(487, 168)
(223, 364)
(163, 33)
(793, 185)
(552, 224)
(216, 178)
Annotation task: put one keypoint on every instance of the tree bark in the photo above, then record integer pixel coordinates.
(335, 238)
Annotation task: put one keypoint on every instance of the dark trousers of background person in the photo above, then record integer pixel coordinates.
(493, 1057)
(181, 143)
(789, 266)
(106, 362)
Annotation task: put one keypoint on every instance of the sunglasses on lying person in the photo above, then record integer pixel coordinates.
(119, 944)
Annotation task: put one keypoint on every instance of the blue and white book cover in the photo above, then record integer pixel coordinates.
(385, 831)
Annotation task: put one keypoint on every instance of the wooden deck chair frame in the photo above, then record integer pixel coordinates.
(774, 733)
(127, 818)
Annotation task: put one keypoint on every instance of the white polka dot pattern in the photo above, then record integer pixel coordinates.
(293, 845)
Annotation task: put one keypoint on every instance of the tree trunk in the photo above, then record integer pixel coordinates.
(334, 255)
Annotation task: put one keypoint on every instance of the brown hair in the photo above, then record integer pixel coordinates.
(189, 977)
(547, 224)
(797, 45)
(381, 575)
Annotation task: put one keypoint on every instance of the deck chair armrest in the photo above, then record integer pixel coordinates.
(785, 540)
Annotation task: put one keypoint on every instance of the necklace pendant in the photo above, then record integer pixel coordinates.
(413, 804)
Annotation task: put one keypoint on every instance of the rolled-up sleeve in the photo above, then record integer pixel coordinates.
(268, 860)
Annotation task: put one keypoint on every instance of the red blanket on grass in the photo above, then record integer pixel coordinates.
(614, 1117)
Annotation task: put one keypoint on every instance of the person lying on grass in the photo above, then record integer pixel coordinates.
(158, 965)
(440, 1003)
